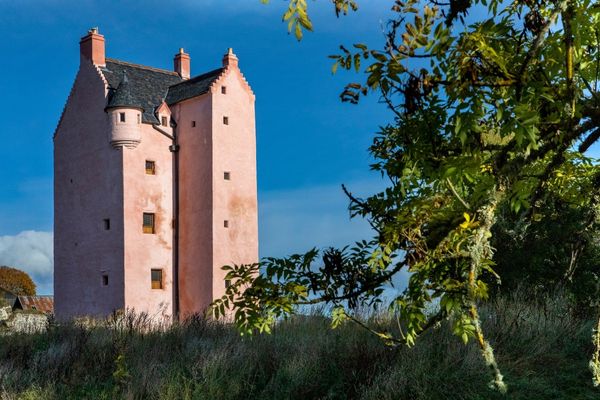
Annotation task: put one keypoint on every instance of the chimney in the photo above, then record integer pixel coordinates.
(182, 64)
(91, 48)
(230, 59)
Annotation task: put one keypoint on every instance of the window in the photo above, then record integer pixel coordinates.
(224, 89)
(193, 124)
(150, 167)
(122, 117)
(226, 224)
(148, 223)
(104, 280)
(225, 120)
(227, 175)
(156, 276)
(106, 224)
(139, 118)
(163, 121)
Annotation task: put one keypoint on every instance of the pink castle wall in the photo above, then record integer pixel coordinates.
(143, 251)
(234, 150)
(207, 199)
(195, 203)
(88, 187)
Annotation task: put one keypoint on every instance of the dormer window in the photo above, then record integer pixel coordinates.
(163, 121)
(122, 117)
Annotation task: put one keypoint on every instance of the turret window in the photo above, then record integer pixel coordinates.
(224, 89)
(148, 223)
(122, 117)
(227, 175)
(225, 120)
(163, 121)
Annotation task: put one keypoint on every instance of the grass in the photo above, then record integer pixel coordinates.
(542, 346)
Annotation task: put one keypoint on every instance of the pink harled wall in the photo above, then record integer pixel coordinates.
(88, 188)
(147, 251)
(195, 203)
(207, 200)
(234, 151)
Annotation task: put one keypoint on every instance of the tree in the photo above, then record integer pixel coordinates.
(494, 104)
(16, 281)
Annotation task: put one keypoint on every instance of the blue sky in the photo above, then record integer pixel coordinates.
(309, 143)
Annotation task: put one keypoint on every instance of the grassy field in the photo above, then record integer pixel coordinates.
(542, 347)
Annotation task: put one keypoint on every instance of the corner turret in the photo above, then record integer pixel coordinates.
(125, 117)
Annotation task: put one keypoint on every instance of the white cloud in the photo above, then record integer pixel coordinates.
(32, 252)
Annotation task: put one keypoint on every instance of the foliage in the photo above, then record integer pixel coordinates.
(495, 103)
(541, 342)
(298, 19)
(16, 281)
(554, 248)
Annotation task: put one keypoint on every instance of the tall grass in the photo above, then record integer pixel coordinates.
(542, 346)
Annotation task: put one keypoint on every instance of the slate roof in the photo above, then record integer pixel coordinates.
(43, 304)
(123, 96)
(148, 87)
(192, 87)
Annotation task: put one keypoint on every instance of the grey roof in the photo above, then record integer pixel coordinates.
(148, 87)
(192, 87)
(122, 96)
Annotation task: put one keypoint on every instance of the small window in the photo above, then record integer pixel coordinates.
(106, 224)
(193, 124)
(157, 278)
(148, 224)
(224, 89)
(227, 175)
(122, 117)
(163, 121)
(225, 120)
(150, 167)
(226, 224)
(139, 118)
(104, 280)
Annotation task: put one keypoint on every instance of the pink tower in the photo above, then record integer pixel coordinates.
(154, 185)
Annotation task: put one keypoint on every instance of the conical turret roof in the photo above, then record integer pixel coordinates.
(122, 96)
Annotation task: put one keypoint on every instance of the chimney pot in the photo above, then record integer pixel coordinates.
(181, 64)
(230, 59)
(91, 48)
